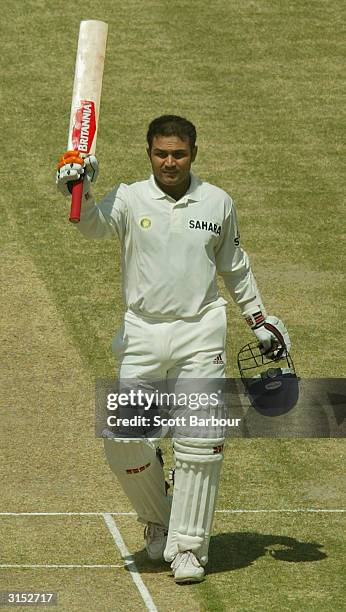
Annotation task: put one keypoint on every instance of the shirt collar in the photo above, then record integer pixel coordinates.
(193, 193)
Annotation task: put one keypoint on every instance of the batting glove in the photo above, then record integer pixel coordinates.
(72, 167)
(271, 333)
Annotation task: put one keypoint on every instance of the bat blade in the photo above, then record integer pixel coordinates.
(86, 98)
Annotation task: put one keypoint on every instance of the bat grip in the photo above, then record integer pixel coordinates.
(76, 202)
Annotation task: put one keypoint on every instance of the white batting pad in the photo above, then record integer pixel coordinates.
(141, 476)
(196, 481)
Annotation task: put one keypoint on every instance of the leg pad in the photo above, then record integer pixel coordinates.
(138, 468)
(196, 481)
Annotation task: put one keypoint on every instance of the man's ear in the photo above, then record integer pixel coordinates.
(194, 153)
(148, 152)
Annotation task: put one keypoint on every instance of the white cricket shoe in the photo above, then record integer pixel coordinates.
(156, 538)
(187, 568)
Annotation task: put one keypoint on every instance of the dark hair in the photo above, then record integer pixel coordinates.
(172, 125)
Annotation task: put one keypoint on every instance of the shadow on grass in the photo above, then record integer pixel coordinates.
(231, 551)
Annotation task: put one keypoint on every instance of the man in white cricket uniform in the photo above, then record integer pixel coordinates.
(177, 232)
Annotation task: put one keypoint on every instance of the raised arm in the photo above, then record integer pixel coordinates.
(97, 221)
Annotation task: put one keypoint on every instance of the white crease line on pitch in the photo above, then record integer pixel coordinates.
(222, 511)
(57, 566)
(128, 558)
(64, 513)
(281, 510)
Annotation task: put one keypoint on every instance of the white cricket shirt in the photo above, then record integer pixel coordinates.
(173, 250)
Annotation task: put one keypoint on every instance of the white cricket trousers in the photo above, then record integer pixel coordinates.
(185, 348)
(176, 352)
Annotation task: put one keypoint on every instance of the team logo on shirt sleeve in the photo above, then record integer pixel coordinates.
(145, 223)
(207, 226)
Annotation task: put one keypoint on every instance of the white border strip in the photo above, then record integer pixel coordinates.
(129, 560)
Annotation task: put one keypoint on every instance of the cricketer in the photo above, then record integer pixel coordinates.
(177, 233)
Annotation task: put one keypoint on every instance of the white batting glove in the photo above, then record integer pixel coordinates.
(72, 167)
(271, 333)
(273, 338)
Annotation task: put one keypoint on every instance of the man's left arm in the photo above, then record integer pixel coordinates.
(233, 264)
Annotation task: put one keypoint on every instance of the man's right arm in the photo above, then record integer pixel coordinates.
(105, 219)
(97, 221)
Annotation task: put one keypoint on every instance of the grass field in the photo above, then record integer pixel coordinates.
(264, 83)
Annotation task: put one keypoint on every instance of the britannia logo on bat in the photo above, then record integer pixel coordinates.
(84, 127)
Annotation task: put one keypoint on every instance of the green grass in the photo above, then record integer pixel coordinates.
(264, 83)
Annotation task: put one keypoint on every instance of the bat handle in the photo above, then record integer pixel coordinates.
(76, 202)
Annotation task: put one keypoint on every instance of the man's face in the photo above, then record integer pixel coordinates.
(171, 159)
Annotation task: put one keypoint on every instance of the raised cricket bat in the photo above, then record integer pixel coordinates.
(86, 98)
